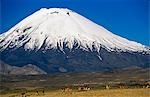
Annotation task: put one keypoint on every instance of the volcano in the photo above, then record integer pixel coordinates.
(59, 40)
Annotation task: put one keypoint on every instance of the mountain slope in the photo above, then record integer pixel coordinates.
(29, 69)
(60, 40)
(52, 27)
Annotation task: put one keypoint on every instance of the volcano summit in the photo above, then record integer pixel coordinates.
(60, 40)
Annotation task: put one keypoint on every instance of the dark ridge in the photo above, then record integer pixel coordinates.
(26, 29)
(54, 12)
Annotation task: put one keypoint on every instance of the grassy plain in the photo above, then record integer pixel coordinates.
(92, 93)
(133, 84)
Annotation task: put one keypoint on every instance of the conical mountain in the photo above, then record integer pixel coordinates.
(59, 39)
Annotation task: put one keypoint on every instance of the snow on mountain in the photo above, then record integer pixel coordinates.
(51, 28)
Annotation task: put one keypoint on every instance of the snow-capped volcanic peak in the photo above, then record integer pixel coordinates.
(55, 26)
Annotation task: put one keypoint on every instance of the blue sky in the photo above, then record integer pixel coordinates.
(127, 18)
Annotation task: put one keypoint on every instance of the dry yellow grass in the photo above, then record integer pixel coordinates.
(92, 93)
